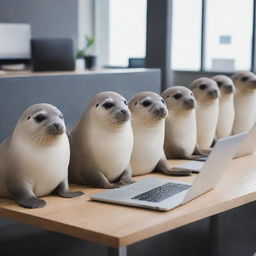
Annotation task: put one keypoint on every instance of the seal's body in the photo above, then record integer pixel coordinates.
(207, 96)
(101, 143)
(226, 106)
(34, 159)
(244, 101)
(180, 124)
(148, 147)
(148, 123)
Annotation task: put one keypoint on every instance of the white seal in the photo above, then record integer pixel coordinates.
(180, 124)
(226, 106)
(101, 143)
(245, 101)
(148, 123)
(34, 159)
(206, 93)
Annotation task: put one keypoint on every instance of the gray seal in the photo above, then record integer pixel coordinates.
(101, 143)
(244, 101)
(226, 106)
(148, 123)
(206, 93)
(180, 124)
(34, 159)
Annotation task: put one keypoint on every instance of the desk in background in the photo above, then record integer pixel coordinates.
(69, 91)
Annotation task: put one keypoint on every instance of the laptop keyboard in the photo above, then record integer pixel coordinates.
(160, 193)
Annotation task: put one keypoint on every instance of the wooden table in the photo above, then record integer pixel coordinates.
(118, 226)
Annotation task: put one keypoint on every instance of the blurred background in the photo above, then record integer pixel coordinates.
(181, 37)
(176, 41)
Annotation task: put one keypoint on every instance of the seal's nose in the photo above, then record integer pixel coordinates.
(189, 103)
(161, 112)
(124, 112)
(122, 115)
(229, 88)
(57, 126)
(213, 94)
(252, 83)
(56, 129)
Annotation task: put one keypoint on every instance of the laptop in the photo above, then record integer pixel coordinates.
(248, 146)
(164, 194)
(53, 54)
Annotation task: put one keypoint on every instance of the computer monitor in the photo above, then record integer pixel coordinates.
(14, 43)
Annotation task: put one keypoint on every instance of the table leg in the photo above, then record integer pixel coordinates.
(117, 251)
(214, 236)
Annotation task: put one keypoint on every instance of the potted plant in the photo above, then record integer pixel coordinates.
(90, 60)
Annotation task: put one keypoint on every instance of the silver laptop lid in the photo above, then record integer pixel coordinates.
(209, 176)
(248, 146)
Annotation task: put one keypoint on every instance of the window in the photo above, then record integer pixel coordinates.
(127, 30)
(186, 34)
(228, 35)
(226, 42)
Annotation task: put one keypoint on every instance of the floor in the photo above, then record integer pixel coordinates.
(237, 237)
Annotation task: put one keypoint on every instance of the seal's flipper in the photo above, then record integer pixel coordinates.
(99, 180)
(180, 153)
(23, 194)
(32, 202)
(126, 177)
(63, 190)
(202, 152)
(164, 167)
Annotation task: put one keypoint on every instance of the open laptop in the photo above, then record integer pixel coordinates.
(248, 146)
(164, 194)
(53, 54)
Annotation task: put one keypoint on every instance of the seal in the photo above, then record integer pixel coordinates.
(226, 106)
(101, 143)
(244, 101)
(180, 124)
(206, 93)
(148, 123)
(34, 159)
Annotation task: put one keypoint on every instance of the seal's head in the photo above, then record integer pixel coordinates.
(109, 108)
(148, 107)
(42, 123)
(206, 90)
(179, 99)
(225, 84)
(245, 81)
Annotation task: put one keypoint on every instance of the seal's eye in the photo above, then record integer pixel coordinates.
(162, 101)
(108, 105)
(202, 86)
(146, 103)
(244, 78)
(28, 118)
(97, 105)
(61, 116)
(125, 102)
(219, 84)
(135, 103)
(40, 118)
(177, 96)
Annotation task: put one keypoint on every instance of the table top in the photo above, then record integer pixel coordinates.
(29, 73)
(117, 226)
